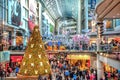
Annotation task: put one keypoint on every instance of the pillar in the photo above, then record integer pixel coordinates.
(9, 12)
(59, 26)
(100, 69)
(14, 38)
(40, 17)
(86, 15)
(25, 39)
(55, 30)
(79, 18)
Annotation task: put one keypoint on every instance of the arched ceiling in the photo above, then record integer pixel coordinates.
(62, 9)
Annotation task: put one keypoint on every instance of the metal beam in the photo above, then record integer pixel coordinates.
(43, 5)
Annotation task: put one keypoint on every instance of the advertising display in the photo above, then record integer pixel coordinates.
(32, 14)
(16, 58)
(4, 56)
(14, 16)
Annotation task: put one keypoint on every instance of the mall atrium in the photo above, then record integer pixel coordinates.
(59, 39)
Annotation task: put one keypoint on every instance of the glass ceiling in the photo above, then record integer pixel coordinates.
(62, 8)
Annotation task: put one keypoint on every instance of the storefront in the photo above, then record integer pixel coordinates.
(83, 61)
(108, 68)
(15, 59)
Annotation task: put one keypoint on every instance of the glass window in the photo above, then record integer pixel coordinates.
(25, 23)
(109, 25)
(37, 20)
(117, 22)
(27, 3)
(89, 24)
(1, 12)
(25, 13)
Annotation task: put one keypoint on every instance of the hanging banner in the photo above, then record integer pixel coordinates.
(32, 14)
(14, 12)
(4, 56)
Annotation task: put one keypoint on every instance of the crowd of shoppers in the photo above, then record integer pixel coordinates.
(8, 71)
(62, 69)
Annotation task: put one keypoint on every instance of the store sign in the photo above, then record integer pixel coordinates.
(4, 56)
(16, 58)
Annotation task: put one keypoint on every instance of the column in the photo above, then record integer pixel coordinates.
(99, 37)
(114, 24)
(56, 26)
(100, 69)
(40, 17)
(59, 26)
(79, 18)
(14, 38)
(24, 35)
(86, 15)
(9, 12)
(25, 39)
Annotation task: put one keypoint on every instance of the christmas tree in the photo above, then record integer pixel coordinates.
(35, 61)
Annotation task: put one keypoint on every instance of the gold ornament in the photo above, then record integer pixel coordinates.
(39, 56)
(32, 45)
(40, 46)
(47, 62)
(36, 30)
(25, 71)
(32, 64)
(30, 56)
(23, 63)
(46, 70)
(31, 39)
(41, 63)
(46, 55)
(36, 72)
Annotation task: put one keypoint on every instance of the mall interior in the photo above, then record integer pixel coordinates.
(59, 39)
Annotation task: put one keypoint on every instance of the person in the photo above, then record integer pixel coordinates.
(50, 77)
(17, 69)
(40, 77)
(2, 74)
